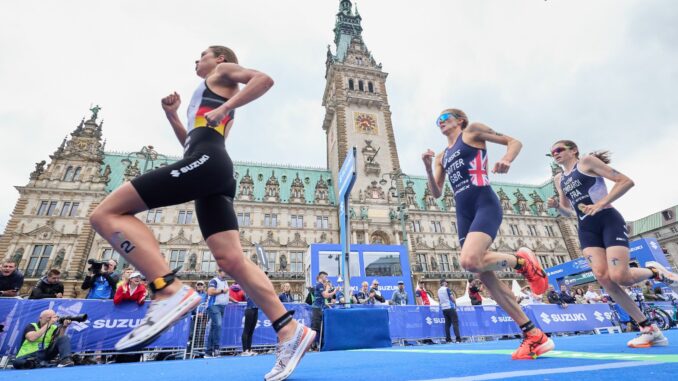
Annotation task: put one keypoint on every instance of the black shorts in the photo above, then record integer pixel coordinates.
(605, 229)
(205, 175)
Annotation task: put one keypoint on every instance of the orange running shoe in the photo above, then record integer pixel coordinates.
(532, 271)
(534, 344)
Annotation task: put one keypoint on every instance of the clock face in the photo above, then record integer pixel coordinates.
(365, 123)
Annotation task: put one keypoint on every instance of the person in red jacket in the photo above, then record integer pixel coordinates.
(131, 289)
(236, 294)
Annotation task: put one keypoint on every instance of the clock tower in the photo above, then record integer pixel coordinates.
(357, 114)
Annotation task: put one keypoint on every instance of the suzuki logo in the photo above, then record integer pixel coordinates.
(545, 318)
(175, 173)
(79, 327)
(653, 244)
(429, 321)
(599, 316)
(494, 319)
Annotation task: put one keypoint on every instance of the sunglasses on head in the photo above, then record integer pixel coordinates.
(443, 118)
(558, 150)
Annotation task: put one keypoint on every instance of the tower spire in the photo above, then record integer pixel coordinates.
(346, 28)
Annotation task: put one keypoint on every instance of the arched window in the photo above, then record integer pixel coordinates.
(370, 87)
(361, 87)
(69, 174)
(350, 84)
(76, 176)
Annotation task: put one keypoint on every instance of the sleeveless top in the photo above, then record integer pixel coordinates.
(582, 189)
(203, 101)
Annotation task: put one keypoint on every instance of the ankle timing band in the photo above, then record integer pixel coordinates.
(645, 323)
(283, 321)
(527, 327)
(164, 281)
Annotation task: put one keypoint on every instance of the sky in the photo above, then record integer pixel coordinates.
(602, 73)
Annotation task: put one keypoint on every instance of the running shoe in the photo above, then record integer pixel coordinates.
(663, 275)
(161, 315)
(289, 353)
(532, 271)
(534, 344)
(649, 337)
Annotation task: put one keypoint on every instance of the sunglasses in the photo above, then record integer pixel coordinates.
(558, 150)
(443, 118)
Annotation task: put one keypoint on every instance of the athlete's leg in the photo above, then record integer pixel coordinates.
(477, 259)
(619, 270)
(226, 248)
(114, 220)
(472, 253)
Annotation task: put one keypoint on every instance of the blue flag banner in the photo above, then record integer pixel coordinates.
(106, 323)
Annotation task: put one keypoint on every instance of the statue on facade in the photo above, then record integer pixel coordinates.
(39, 169)
(192, 262)
(363, 212)
(59, 259)
(95, 112)
(283, 262)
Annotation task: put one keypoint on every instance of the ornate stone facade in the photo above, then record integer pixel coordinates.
(282, 208)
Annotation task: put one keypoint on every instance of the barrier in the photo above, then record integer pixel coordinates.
(107, 323)
(355, 328)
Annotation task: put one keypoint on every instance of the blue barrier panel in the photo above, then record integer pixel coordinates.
(233, 323)
(575, 317)
(355, 328)
(10, 310)
(485, 321)
(106, 324)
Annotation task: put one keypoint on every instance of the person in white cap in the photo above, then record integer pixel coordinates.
(131, 290)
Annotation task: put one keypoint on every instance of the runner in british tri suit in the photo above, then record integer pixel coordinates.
(479, 215)
(602, 230)
(205, 175)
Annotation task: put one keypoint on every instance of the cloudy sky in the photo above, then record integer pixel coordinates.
(602, 73)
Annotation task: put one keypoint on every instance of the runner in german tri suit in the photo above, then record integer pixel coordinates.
(602, 230)
(479, 215)
(205, 175)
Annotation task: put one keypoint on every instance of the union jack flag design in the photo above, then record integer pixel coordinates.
(477, 170)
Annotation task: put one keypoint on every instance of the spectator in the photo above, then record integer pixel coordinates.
(236, 294)
(375, 293)
(474, 292)
(319, 296)
(421, 296)
(125, 275)
(11, 279)
(43, 341)
(660, 294)
(49, 286)
(579, 296)
(448, 305)
(648, 292)
(200, 289)
(592, 296)
(528, 297)
(218, 298)
(112, 272)
(565, 296)
(309, 296)
(131, 289)
(399, 297)
(363, 295)
(553, 297)
(99, 282)
(251, 317)
(329, 287)
(286, 294)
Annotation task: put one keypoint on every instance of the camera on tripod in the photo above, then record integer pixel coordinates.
(96, 266)
(79, 318)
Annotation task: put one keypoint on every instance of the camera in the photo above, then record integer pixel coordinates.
(96, 266)
(79, 318)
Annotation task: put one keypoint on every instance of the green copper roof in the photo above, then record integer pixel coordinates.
(545, 191)
(260, 174)
(651, 222)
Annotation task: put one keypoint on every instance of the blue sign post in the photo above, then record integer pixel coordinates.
(347, 176)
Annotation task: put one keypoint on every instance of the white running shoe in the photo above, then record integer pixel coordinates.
(289, 353)
(649, 337)
(665, 276)
(161, 315)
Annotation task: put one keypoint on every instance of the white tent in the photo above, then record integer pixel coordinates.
(465, 300)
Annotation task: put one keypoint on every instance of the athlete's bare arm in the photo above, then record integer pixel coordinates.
(480, 133)
(229, 75)
(436, 175)
(171, 104)
(560, 202)
(592, 165)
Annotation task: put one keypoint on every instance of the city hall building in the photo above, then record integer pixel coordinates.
(283, 208)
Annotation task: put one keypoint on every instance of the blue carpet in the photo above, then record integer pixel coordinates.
(600, 357)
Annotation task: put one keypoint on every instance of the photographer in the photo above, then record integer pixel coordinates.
(49, 286)
(99, 281)
(43, 341)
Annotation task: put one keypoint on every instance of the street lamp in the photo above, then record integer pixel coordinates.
(394, 191)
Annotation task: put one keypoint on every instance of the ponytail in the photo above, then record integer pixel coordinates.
(604, 156)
